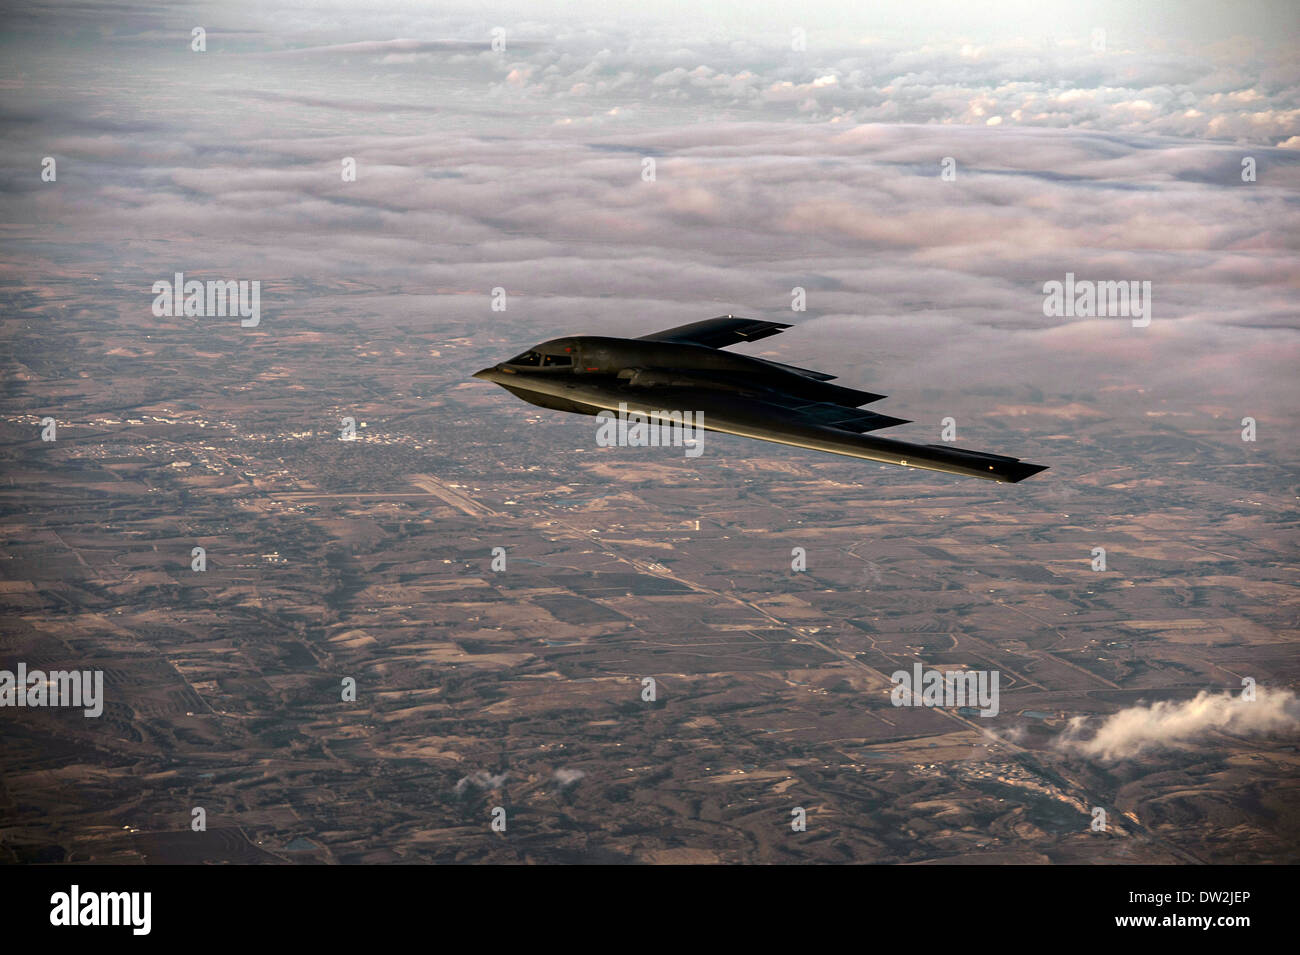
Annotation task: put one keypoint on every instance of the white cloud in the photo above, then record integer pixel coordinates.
(1183, 724)
(567, 777)
(480, 780)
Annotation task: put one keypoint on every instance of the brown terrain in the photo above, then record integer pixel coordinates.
(371, 560)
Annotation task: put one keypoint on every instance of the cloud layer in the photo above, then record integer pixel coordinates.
(775, 169)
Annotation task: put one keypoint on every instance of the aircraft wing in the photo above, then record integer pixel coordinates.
(822, 426)
(718, 332)
(728, 330)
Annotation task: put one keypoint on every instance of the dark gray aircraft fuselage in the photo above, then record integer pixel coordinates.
(732, 393)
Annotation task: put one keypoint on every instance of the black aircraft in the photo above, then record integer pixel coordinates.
(682, 368)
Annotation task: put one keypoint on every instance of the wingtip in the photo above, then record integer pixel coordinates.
(1020, 470)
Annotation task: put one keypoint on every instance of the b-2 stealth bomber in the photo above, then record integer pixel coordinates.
(685, 368)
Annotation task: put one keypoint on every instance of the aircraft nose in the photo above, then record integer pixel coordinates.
(486, 373)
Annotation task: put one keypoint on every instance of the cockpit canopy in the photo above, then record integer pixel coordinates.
(546, 355)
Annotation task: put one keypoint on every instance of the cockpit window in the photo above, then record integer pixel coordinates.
(527, 358)
(551, 361)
